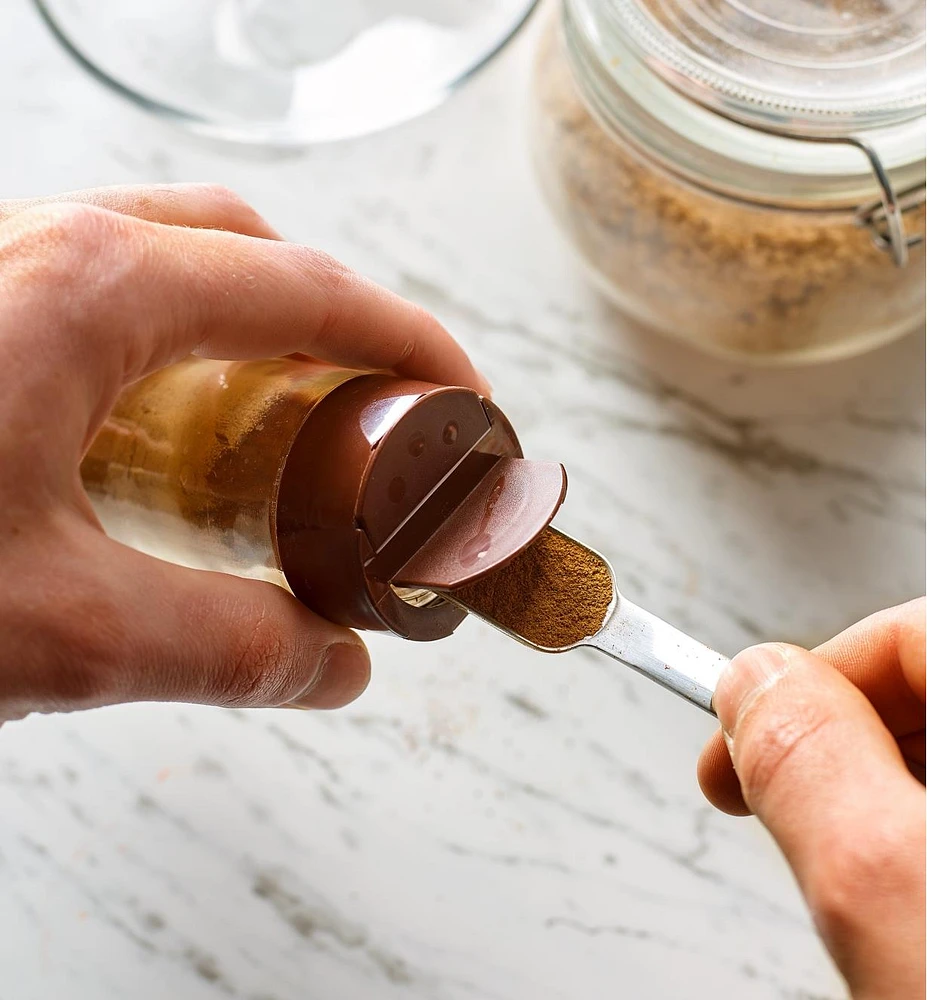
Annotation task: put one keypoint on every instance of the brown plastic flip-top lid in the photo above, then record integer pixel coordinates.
(400, 484)
(498, 519)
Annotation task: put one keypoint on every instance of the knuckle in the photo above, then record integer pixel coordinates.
(261, 669)
(58, 244)
(330, 272)
(422, 324)
(93, 261)
(229, 208)
(774, 739)
(71, 227)
(220, 194)
(337, 283)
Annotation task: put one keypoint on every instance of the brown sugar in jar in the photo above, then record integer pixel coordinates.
(766, 275)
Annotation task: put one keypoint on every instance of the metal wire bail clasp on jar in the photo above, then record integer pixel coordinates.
(749, 177)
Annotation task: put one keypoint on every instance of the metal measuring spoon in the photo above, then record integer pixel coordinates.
(641, 641)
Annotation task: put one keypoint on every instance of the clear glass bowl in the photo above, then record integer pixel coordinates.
(284, 72)
(703, 214)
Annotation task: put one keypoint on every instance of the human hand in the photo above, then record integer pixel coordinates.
(829, 753)
(97, 289)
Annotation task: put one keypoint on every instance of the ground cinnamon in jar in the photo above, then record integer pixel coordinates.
(556, 593)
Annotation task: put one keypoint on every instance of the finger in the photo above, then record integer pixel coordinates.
(717, 778)
(128, 627)
(883, 655)
(248, 643)
(719, 784)
(202, 206)
(824, 775)
(107, 299)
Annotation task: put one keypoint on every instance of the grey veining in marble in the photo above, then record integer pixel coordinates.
(486, 823)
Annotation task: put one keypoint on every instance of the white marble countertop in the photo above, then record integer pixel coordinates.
(485, 822)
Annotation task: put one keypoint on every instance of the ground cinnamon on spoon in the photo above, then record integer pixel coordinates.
(554, 594)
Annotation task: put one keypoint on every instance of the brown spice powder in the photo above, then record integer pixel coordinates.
(556, 593)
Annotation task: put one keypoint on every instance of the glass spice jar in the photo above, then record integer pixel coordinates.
(745, 177)
(360, 493)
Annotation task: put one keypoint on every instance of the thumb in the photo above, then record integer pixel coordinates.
(820, 770)
(217, 639)
(124, 626)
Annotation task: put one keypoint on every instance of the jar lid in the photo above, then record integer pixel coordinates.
(794, 67)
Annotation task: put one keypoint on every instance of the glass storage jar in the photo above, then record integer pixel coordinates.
(746, 177)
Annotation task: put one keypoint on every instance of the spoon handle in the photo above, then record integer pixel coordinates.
(649, 645)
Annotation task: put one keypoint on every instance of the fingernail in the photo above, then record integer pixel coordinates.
(748, 675)
(344, 674)
(484, 386)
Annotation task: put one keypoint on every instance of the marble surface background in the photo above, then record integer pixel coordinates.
(485, 823)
